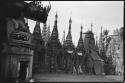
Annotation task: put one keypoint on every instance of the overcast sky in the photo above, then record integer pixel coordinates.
(108, 14)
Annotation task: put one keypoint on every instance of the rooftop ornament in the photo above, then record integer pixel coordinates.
(33, 10)
(39, 6)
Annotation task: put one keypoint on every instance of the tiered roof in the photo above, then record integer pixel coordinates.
(54, 40)
(54, 34)
(80, 46)
(37, 31)
(68, 42)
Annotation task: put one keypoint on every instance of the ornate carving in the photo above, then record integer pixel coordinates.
(21, 50)
(31, 10)
(20, 36)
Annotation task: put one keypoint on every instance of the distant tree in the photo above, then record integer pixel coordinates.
(121, 32)
(114, 51)
(106, 40)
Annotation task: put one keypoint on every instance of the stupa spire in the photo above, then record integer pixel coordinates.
(63, 39)
(101, 29)
(44, 32)
(37, 28)
(91, 27)
(69, 36)
(81, 30)
(37, 31)
(80, 45)
(55, 30)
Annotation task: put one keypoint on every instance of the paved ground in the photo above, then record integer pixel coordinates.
(76, 78)
(118, 78)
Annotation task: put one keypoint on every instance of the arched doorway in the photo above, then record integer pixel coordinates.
(23, 69)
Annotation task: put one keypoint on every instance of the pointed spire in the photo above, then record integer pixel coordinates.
(101, 40)
(97, 48)
(56, 16)
(55, 30)
(70, 20)
(81, 30)
(69, 36)
(48, 31)
(37, 31)
(37, 28)
(80, 45)
(64, 34)
(101, 29)
(63, 39)
(96, 40)
(91, 27)
(69, 42)
(101, 34)
(44, 32)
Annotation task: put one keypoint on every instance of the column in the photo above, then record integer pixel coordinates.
(30, 66)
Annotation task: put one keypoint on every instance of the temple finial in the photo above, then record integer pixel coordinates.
(70, 20)
(81, 28)
(56, 16)
(91, 27)
(101, 29)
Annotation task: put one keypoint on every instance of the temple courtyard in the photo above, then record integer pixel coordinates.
(77, 78)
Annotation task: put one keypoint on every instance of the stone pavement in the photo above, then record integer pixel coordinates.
(115, 77)
(75, 78)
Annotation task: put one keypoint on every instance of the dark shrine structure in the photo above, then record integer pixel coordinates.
(17, 52)
(93, 62)
(16, 41)
(79, 55)
(54, 50)
(39, 49)
(69, 51)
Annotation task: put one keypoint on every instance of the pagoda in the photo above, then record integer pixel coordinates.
(39, 49)
(93, 63)
(96, 44)
(79, 57)
(54, 52)
(69, 50)
(101, 42)
(80, 46)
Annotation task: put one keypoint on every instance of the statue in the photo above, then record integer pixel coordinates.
(14, 38)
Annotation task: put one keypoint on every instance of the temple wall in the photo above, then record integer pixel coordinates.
(15, 49)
